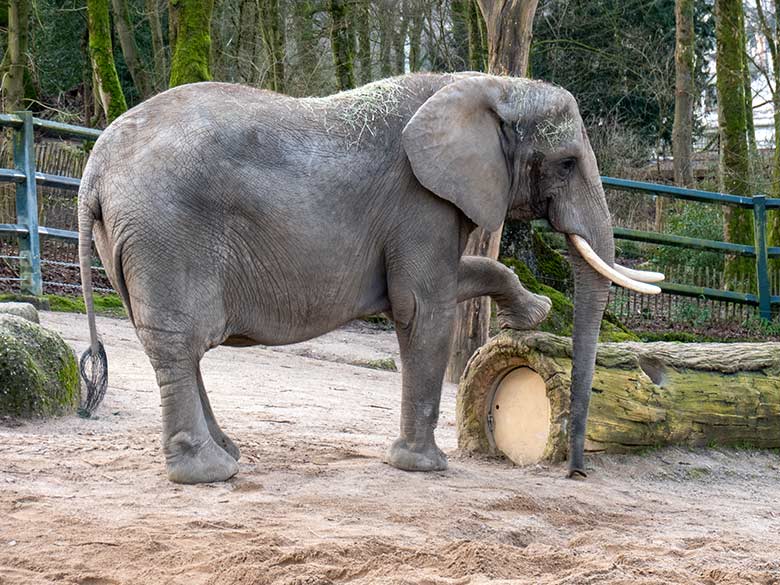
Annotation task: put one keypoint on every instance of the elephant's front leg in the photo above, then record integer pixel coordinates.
(518, 308)
(423, 328)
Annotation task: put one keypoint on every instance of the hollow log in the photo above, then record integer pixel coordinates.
(513, 398)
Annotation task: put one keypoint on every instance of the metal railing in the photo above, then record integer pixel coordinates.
(29, 232)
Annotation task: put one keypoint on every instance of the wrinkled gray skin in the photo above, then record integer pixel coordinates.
(227, 215)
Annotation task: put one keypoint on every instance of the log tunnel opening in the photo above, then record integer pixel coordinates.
(520, 414)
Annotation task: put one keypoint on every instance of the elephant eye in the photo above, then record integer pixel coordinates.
(565, 167)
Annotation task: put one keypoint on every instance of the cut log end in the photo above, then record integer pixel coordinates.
(521, 416)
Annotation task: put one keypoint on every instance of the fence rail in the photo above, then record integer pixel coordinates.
(28, 232)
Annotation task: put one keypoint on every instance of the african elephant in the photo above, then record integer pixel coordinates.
(228, 215)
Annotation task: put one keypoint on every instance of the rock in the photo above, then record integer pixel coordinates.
(23, 310)
(38, 371)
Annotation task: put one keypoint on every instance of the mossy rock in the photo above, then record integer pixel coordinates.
(560, 321)
(38, 371)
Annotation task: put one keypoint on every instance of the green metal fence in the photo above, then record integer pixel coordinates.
(26, 228)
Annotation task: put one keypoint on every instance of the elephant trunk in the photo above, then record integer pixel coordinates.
(591, 291)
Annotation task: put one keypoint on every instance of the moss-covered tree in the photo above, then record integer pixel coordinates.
(342, 41)
(190, 24)
(272, 27)
(734, 171)
(106, 85)
(15, 67)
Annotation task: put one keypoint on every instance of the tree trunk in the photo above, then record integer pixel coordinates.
(399, 38)
(509, 31)
(645, 395)
(272, 26)
(342, 41)
(15, 61)
(129, 48)
(682, 133)
(682, 130)
(159, 55)
(385, 38)
(363, 18)
(191, 55)
(106, 85)
(773, 36)
(477, 37)
(509, 25)
(306, 41)
(416, 22)
(734, 172)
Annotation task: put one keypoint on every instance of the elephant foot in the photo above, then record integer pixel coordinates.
(430, 458)
(533, 311)
(227, 444)
(577, 474)
(205, 464)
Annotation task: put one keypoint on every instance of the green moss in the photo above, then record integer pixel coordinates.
(551, 265)
(561, 318)
(190, 62)
(38, 371)
(101, 51)
(108, 305)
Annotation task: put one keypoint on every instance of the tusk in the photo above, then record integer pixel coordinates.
(606, 270)
(640, 275)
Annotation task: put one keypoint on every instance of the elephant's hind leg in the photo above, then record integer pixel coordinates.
(211, 422)
(191, 454)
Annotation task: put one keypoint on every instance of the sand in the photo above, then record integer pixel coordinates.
(87, 501)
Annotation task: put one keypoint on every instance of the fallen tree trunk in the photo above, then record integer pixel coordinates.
(644, 395)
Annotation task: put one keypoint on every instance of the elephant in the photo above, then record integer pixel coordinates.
(229, 215)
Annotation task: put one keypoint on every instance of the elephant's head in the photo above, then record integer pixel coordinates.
(498, 146)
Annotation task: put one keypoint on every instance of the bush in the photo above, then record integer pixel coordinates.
(693, 220)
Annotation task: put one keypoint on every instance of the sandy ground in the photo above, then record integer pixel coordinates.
(87, 501)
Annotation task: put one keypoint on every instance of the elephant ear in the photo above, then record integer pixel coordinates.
(453, 145)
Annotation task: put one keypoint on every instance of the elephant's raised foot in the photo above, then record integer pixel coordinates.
(430, 458)
(207, 464)
(527, 316)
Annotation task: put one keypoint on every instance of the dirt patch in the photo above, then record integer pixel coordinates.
(86, 501)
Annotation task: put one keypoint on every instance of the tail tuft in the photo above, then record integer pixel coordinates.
(96, 380)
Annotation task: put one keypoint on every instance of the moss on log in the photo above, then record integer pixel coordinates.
(38, 371)
(644, 394)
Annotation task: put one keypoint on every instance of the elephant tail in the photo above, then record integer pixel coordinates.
(93, 363)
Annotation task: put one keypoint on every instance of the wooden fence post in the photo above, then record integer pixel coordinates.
(762, 263)
(27, 208)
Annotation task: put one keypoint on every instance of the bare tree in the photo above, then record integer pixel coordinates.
(682, 132)
(129, 47)
(272, 28)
